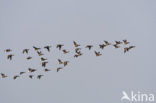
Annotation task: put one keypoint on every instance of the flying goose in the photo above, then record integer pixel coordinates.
(75, 44)
(22, 73)
(125, 42)
(39, 53)
(10, 56)
(48, 48)
(31, 70)
(97, 53)
(118, 42)
(60, 61)
(28, 58)
(107, 43)
(25, 51)
(116, 46)
(36, 48)
(102, 46)
(15, 77)
(44, 64)
(39, 76)
(58, 69)
(65, 51)
(59, 46)
(89, 46)
(46, 70)
(3, 75)
(8, 50)
(66, 62)
(30, 76)
(43, 59)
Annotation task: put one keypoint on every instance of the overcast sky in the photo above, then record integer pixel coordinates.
(87, 79)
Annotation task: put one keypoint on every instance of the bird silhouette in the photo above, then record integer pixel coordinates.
(102, 46)
(116, 46)
(44, 64)
(89, 46)
(58, 69)
(22, 73)
(8, 50)
(125, 42)
(31, 70)
(118, 42)
(43, 59)
(39, 53)
(3, 75)
(75, 44)
(10, 56)
(46, 70)
(107, 43)
(48, 48)
(39, 76)
(60, 61)
(65, 63)
(25, 51)
(31, 76)
(36, 48)
(65, 51)
(28, 58)
(59, 46)
(77, 50)
(97, 53)
(15, 77)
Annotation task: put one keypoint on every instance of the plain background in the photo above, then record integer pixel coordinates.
(88, 79)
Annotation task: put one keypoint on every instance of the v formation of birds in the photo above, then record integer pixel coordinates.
(77, 53)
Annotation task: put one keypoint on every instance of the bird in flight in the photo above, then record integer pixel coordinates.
(46, 70)
(97, 53)
(25, 51)
(65, 63)
(22, 73)
(48, 48)
(30, 76)
(39, 76)
(43, 59)
(15, 77)
(36, 48)
(28, 58)
(60, 61)
(89, 46)
(3, 75)
(107, 43)
(8, 50)
(44, 64)
(75, 44)
(102, 46)
(39, 53)
(125, 42)
(58, 69)
(65, 51)
(59, 46)
(31, 70)
(10, 56)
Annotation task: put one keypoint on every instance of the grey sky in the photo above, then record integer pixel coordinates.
(24, 23)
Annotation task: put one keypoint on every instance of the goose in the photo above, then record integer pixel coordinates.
(116, 46)
(28, 58)
(36, 48)
(118, 42)
(107, 43)
(75, 44)
(48, 48)
(65, 51)
(43, 59)
(60, 61)
(58, 69)
(89, 46)
(59, 46)
(25, 51)
(22, 73)
(97, 53)
(30, 76)
(125, 42)
(3, 75)
(31, 70)
(15, 77)
(65, 63)
(39, 53)
(10, 56)
(39, 76)
(44, 64)
(8, 50)
(46, 70)
(102, 46)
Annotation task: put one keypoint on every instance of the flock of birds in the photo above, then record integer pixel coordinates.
(77, 50)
